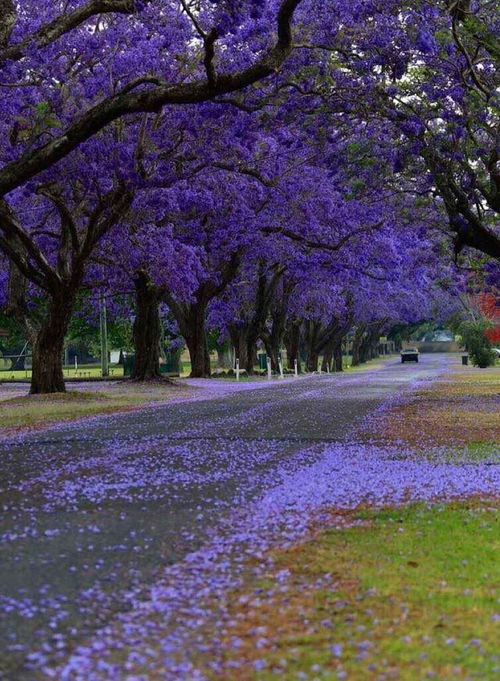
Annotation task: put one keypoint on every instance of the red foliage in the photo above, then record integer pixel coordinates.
(490, 307)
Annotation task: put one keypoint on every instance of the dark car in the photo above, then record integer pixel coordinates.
(409, 355)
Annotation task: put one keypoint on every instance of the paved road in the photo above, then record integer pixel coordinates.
(94, 509)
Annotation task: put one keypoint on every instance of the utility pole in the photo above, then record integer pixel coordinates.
(103, 323)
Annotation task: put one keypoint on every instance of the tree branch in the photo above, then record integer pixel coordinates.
(64, 23)
(19, 246)
(321, 245)
(124, 102)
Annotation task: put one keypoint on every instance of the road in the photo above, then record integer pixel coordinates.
(93, 509)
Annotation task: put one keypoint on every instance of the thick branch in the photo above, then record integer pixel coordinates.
(209, 45)
(123, 103)
(7, 20)
(64, 23)
(242, 170)
(321, 245)
(68, 226)
(110, 210)
(20, 248)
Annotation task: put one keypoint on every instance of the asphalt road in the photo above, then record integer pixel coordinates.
(93, 509)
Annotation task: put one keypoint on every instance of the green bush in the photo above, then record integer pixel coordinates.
(483, 358)
(477, 343)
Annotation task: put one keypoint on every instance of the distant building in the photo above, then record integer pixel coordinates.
(438, 336)
(440, 340)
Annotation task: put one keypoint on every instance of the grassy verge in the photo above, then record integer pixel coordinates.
(93, 371)
(84, 371)
(405, 593)
(460, 409)
(35, 411)
(377, 363)
(406, 598)
(370, 364)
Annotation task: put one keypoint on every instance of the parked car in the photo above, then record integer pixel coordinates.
(409, 355)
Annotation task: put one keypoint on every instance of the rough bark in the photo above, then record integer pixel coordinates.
(367, 345)
(292, 344)
(268, 280)
(7, 21)
(356, 344)
(46, 325)
(273, 337)
(147, 329)
(239, 341)
(251, 350)
(327, 363)
(191, 317)
(193, 330)
(323, 339)
(48, 346)
(312, 362)
(337, 356)
(272, 352)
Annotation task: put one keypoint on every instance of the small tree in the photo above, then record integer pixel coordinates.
(477, 343)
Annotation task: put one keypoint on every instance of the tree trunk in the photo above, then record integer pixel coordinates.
(337, 356)
(147, 330)
(311, 331)
(292, 344)
(272, 352)
(197, 352)
(327, 362)
(356, 345)
(48, 347)
(196, 340)
(364, 349)
(251, 352)
(225, 355)
(273, 338)
(238, 339)
(312, 362)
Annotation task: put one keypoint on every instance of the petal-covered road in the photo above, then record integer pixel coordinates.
(92, 511)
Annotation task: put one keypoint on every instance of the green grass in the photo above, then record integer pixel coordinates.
(370, 364)
(116, 371)
(84, 371)
(477, 451)
(33, 411)
(415, 597)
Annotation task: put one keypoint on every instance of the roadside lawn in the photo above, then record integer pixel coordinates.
(376, 594)
(34, 411)
(412, 594)
(459, 409)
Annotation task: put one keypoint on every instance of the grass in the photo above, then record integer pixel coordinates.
(84, 371)
(93, 371)
(35, 411)
(459, 410)
(409, 599)
(405, 593)
(370, 364)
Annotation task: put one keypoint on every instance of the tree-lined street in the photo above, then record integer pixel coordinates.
(296, 204)
(91, 510)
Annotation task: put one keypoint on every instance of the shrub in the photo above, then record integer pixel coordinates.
(477, 343)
